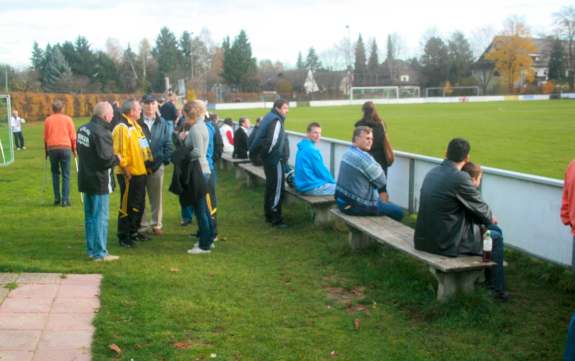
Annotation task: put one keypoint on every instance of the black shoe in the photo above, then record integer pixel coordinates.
(140, 237)
(502, 296)
(280, 225)
(57, 203)
(185, 223)
(127, 244)
(66, 204)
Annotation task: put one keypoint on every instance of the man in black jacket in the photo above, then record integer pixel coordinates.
(271, 143)
(241, 139)
(95, 178)
(449, 206)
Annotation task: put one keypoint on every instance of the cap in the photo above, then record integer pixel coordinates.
(148, 98)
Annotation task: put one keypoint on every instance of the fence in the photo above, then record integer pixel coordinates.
(526, 206)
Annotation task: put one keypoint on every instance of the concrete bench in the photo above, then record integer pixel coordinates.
(320, 206)
(227, 163)
(454, 274)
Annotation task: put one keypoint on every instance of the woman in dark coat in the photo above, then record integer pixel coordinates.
(373, 120)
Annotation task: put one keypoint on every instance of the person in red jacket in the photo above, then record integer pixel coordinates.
(60, 144)
(568, 219)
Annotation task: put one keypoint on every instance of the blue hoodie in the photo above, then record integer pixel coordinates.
(310, 171)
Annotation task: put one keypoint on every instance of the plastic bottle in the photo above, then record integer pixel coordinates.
(487, 246)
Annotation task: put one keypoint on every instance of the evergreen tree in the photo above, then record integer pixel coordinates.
(128, 72)
(360, 67)
(312, 61)
(167, 56)
(185, 45)
(85, 62)
(557, 62)
(390, 59)
(106, 72)
(239, 68)
(300, 65)
(57, 74)
(373, 64)
(38, 58)
(435, 62)
(460, 58)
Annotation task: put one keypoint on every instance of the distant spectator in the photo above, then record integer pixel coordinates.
(361, 181)
(372, 119)
(312, 177)
(157, 130)
(568, 219)
(16, 126)
(60, 145)
(241, 139)
(227, 132)
(169, 112)
(95, 180)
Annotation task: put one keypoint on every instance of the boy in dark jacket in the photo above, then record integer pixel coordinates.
(95, 179)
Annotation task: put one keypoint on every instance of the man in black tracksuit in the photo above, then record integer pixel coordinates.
(272, 144)
(95, 178)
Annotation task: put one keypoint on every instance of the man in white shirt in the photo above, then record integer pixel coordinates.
(16, 126)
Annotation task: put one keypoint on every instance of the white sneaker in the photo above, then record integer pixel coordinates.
(197, 245)
(198, 250)
(107, 258)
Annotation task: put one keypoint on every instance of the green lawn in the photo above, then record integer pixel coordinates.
(265, 294)
(530, 137)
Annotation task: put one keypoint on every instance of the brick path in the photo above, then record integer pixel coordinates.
(48, 316)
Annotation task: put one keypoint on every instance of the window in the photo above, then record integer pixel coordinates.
(404, 78)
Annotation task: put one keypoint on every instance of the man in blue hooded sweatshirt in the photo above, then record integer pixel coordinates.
(312, 178)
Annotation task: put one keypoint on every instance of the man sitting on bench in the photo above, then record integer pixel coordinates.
(361, 181)
(312, 178)
(449, 207)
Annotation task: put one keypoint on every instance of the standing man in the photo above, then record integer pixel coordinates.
(95, 180)
(360, 189)
(59, 145)
(132, 148)
(568, 219)
(449, 206)
(16, 126)
(157, 131)
(169, 112)
(241, 139)
(312, 178)
(272, 144)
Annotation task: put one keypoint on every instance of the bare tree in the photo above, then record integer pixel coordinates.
(114, 50)
(481, 38)
(565, 26)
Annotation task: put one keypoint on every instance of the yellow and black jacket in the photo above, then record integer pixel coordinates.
(133, 147)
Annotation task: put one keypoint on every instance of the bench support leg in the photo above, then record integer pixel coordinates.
(239, 173)
(452, 283)
(251, 180)
(322, 216)
(359, 240)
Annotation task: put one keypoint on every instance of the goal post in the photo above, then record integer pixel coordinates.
(453, 91)
(373, 92)
(6, 138)
(409, 91)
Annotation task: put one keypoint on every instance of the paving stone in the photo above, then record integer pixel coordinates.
(85, 280)
(3, 294)
(33, 290)
(26, 305)
(16, 355)
(17, 340)
(70, 322)
(73, 354)
(40, 278)
(74, 305)
(23, 321)
(7, 278)
(78, 291)
(60, 340)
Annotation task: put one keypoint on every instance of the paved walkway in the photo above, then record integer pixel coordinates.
(48, 316)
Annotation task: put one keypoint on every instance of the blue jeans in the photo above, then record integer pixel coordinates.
(214, 199)
(570, 344)
(382, 209)
(96, 210)
(327, 189)
(60, 163)
(187, 213)
(205, 223)
(496, 276)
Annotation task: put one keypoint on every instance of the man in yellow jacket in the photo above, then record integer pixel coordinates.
(133, 148)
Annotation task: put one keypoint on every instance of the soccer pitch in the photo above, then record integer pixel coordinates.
(534, 137)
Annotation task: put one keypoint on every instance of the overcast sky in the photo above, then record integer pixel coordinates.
(277, 30)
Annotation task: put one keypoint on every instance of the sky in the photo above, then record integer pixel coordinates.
(277, 30)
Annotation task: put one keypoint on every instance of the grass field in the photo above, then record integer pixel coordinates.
(269, 295)
(530, 137)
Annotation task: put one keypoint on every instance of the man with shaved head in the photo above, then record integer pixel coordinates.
(95, 178)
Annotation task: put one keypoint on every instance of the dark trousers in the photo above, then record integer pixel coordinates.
(275, 187)
(495, 277)
(132, 203)
(60, 164)
(214, 200)
(18, 140)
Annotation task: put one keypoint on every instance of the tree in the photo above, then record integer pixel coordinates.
(565, 23)
(510, 54)
(300, 65)
(435, 62)
(167, 56)
(312, 61)
(128, 73)
(57, 74)
(390, 59)
(557, 66)
(460, 58)
(240, 69)
(144, 62)
(38, 58)
(85, 58)
(106, 72)
(373, 64)
(360, 67)
(185, 45)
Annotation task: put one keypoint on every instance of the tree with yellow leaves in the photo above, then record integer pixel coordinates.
(511, 53)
